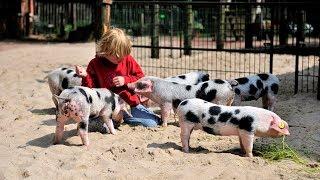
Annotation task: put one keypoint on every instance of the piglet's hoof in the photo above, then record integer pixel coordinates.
(185, 150)
(114, 132)
(250, 155)
(86, 147)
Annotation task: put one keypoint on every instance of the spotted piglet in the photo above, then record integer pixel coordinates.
(79, 103)
(189, 78)
(256, 86)
(60, 79)
(243, 121)
(170, 94)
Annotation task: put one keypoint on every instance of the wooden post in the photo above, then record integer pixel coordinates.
(248, 27)
(74, 16)
(142, 22)
(102, 18)
(220, 37)
(22, 18)
(155, 32)
(171, 30)
(188, 28)
(318, 93)
(29, 17)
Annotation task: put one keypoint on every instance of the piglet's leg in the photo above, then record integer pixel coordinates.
(272, 102)
(269, 101)
(59, 128)
(83, 132)
(247, 142)
(109, 123)
(265, 101)
(237, 100)
(165, 112)
(186, 129)
(241, 145)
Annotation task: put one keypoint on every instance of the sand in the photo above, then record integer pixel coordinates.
(28, 124)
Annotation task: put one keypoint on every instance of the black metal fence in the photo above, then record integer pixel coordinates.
(227, 40)
(67, 20)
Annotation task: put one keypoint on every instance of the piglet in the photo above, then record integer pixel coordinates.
(191, 78)
(253, 87)
(60, 79)
(79, 103)
(169, 94)
(243, 121)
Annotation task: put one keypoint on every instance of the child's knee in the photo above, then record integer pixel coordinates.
(150, 123)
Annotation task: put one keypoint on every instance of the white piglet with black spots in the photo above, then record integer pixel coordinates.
(79, 103)
(243, 121)
(191, 78)
(60, 79)
(169, 94)
(256, 86)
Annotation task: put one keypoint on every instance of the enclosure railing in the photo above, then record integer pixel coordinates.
(227, 40)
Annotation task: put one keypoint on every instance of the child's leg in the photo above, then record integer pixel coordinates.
(142, 116)
(140, 121)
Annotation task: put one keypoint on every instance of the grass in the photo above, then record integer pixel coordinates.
(280, 151)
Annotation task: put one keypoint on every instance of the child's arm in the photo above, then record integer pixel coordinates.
(88, 76)
(135, 72)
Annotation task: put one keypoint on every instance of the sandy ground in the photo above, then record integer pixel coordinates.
(28, 124)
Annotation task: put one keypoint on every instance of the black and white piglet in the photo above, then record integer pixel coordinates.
(256, 86)
(79, 103)
(168, 94)
(189, 78)
(243, 121)
(60, 79)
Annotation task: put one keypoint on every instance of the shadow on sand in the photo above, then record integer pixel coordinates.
(47, 140)
(45, 111)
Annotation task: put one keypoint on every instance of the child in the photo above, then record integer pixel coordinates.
(114, 68)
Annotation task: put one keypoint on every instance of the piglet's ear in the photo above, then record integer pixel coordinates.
(280, 126)
(60, 99)
(144, 86)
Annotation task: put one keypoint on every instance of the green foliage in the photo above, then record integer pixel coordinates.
(280, 150)
(197, 26)
(68, 28)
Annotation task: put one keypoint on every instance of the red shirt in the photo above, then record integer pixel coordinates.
(101, 72)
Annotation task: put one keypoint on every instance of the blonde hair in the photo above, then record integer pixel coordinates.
(114, 43)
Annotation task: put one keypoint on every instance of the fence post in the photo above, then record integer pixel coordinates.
(283, 29)
(299, 38)
(102, 18)
(188, 30)
(22, 17)
(155, 32)
(220, 26)
(318, 93)
(248, 27)
(271, 36)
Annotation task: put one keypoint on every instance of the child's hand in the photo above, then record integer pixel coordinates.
(131, 86)
(81, 71)
(118, 81)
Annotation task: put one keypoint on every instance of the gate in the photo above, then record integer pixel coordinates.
(71, 20)
(227, 40)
